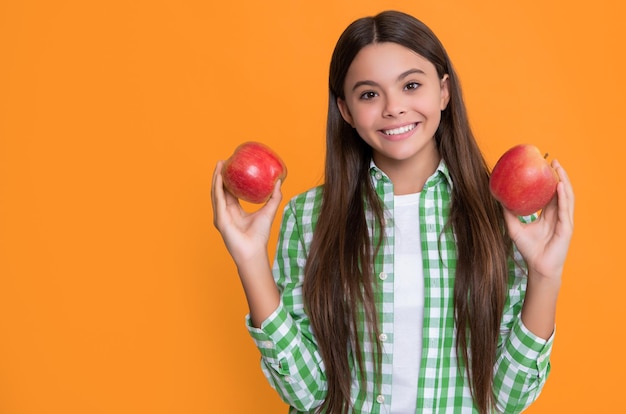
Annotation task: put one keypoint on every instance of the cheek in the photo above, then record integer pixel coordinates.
(435, 119)
(365, 116)
(432, 107)
(436, 113)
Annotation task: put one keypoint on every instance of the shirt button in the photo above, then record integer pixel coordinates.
(382, 276)
(382, 337)
(380, 399)
(378, 175)
(268, 344)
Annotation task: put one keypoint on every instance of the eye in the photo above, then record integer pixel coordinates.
(412, 86)
(368, 95)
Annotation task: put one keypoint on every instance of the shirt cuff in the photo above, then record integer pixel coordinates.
(274, 337)
(530, 352)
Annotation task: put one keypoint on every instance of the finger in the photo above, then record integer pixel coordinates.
(275, 199)
(513, 223)
(218, 170)
(220, 192)
(214, 185)
(565, 212)
(231, 201)
(217, 193)
(550, 210)
(565, 191)
(277, 195)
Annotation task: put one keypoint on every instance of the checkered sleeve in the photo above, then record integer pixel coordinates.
(523, 362)
(289, 356)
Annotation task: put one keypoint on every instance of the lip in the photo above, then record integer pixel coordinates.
(399, 137)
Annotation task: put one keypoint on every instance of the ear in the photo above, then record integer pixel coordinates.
(445, 91)
(345, 111)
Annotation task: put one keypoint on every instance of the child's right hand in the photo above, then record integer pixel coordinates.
(245, 234)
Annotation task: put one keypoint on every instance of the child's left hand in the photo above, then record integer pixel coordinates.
(544, 243)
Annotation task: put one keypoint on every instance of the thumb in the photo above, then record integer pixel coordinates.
(512, 221)
(274, 201)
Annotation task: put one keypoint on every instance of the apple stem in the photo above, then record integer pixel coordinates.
(545, 157)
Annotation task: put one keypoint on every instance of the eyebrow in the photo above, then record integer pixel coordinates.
(402, 76)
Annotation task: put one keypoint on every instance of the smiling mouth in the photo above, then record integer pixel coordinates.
(400, 130)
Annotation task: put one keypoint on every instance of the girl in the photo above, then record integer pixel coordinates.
(400, 285)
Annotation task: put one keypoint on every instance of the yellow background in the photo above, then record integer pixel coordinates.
(116, 293)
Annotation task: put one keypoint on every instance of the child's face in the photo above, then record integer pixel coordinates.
(394, 99)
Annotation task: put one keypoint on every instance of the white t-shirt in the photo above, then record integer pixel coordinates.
(408, 304)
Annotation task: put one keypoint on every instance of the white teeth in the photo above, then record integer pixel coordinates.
(400, 130)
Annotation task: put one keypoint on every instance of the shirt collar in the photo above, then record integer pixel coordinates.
(441, 173)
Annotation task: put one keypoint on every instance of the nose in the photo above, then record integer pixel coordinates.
(394, 106)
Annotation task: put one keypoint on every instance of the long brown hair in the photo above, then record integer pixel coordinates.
(338, 275)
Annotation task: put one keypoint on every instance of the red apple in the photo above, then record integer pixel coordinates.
(523, 180)
(252, 171)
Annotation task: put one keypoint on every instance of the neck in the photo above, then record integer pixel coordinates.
(409, 176)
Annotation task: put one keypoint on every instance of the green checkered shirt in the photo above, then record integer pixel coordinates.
(289, 356)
